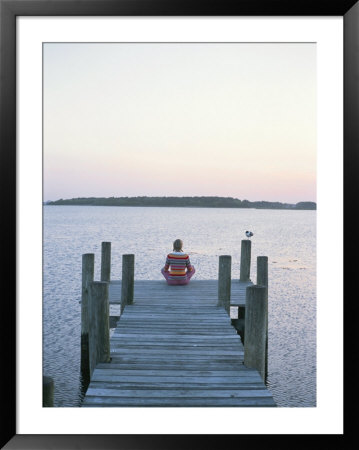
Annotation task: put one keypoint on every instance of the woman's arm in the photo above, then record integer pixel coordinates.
(167, 265)
(189, 265)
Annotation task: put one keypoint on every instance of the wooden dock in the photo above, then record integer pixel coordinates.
(174, 347)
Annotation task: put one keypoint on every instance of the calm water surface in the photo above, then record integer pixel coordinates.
(288, 238)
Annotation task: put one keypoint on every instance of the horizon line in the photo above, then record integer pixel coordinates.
(181, 196)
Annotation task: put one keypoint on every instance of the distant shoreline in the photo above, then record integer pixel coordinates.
(182, 202)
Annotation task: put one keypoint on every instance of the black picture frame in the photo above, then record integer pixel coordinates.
(9, 10)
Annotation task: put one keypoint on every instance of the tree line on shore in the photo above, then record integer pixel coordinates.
(196, 202)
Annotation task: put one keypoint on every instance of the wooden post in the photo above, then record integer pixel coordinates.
(224, 281)
(105, 261)
(262, 271)
(245, 266)
(255, 329)
(88, 265)
(47, 391)
(99, 332)
(103, 318)
(262, 280)
(128, 276)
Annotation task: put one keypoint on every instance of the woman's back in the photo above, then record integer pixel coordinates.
(178, 268)
(178, 262)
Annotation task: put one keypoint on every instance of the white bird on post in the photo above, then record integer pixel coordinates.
(249, 234)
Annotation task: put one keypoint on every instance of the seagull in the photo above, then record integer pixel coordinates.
(249, 234)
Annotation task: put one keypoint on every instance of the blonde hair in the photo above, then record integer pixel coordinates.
(177, 245)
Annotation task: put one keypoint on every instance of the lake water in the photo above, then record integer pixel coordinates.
(287, 237)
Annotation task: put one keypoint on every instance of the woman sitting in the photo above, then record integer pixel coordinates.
(178, 268)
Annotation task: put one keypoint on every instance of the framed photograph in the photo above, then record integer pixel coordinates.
(247, 102)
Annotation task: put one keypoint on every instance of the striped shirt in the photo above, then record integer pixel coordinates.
(177, 263)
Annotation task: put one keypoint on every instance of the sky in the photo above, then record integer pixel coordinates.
(155, 119)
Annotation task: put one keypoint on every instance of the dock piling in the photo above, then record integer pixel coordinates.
(47, 391)
(255, 329)
(128, 274)
(105, 261)
(262, 271)
(262, 280)
(99, 329)
(224, 281)
(245, 265)
(88, 266)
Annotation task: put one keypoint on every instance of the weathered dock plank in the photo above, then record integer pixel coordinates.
(174, 347)
(112, 370)
(181, 393)
(161, 381)
(178, 402)
(203, 292)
